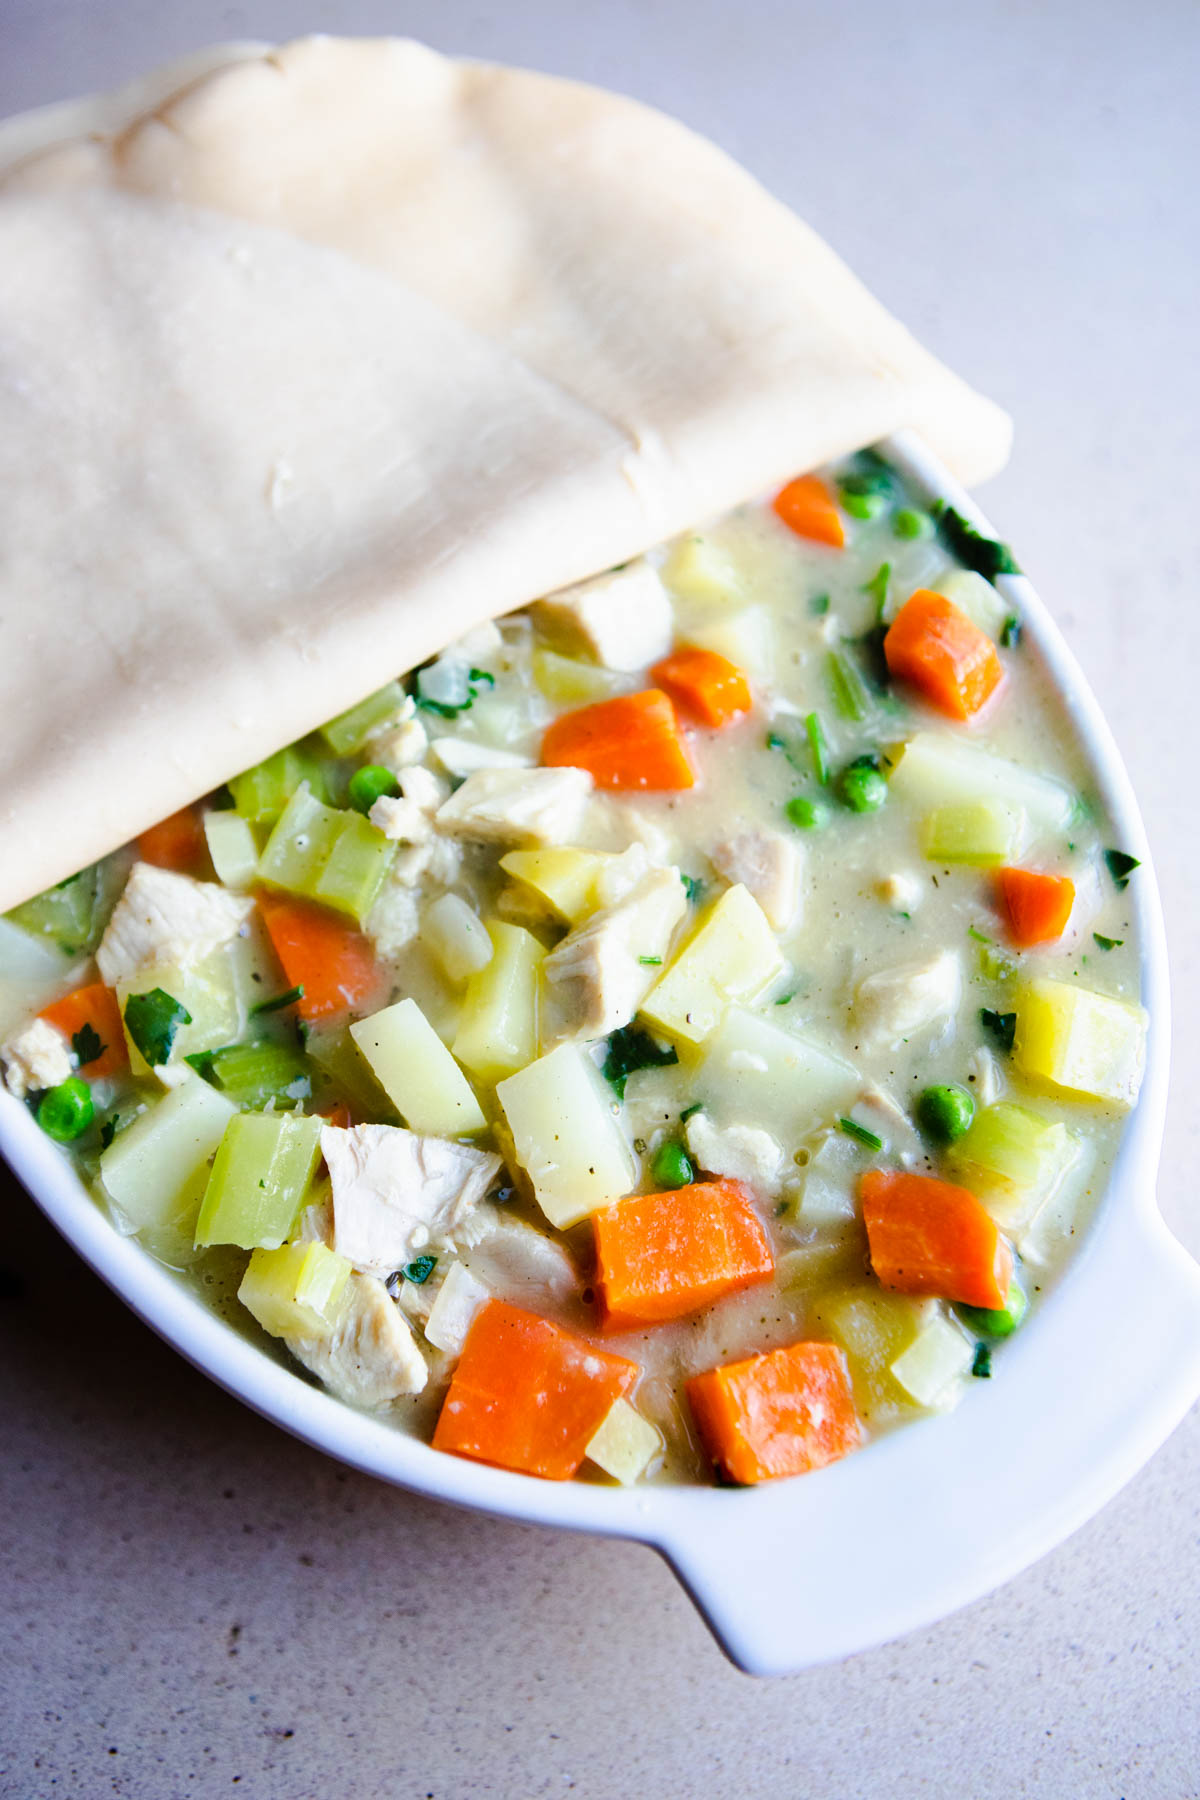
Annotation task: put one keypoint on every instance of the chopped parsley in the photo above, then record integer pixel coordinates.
(987, 556)
(695, 1107)
(419, 1270)
(450, 709)
(1010, 632)
(108, 1130)
(869, 1139)
(1107, 943)
(279, 1001)
(631, 1049)
(152, 1021)
(1003, 1026)
(818, 606)
(982, 1364)
(87, 1045)
(1121, 866)
(877, 587)
(650, 962)
(693, 887)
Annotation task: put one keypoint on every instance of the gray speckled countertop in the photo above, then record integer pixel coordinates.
(194, 1602)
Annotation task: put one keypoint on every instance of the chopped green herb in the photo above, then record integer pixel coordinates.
(279, 1002)
(450, 709)
(153, 1020)
(693, 887)
(869, 1139)
(65, 1112)
(818, 746)
(818, 606)
(1121, 866)
(848, 690)
(1003, 1026)
(87, 1045)
(987, 556)
(650, 962)
(695, 1107)
(911, 524)
(784, 999)
(977, 935)
(1010, 632)
(631, 1049)
(982, 1363)
(1107, 943)
(871, 474)
(877, 587)
(419, 1270)
(671, 1166)
(775, 742)
(108, 1130)
(480, 678)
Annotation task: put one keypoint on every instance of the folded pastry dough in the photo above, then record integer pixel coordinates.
(346, 347)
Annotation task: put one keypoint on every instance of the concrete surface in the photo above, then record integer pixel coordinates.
(194, 1602)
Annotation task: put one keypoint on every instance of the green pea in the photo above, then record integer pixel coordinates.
(910, 524)
(671, 1166)
(808, 814)
(945, 1112)
(862, 788)
(369, 784)
(862, 506)
(65, 1112)
(1001, 1321)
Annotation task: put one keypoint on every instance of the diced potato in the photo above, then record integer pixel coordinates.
(296, 1290)
(498, 1029)
(625, 1445)
(701, 570)
(154, 1170)
(938, 770)
(757, 1072)
(980, 833)
(458, 1300)
(1076, 1039)
(1014, 1160)
(566, 878)
(976, 596)
(874, 1329)
(827, 1198)
(745, 636)
(732, 957)
(232, 847)
(417, 1072)
(933, 1366)
(456, 935)
(207, 990)
(566, 1135)
(569, 682)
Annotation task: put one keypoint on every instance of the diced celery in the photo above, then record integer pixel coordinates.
(150, 1169)
(733, 956)
(757, 1072)
(703, 571)
(261, 793)
(232, 847)
(1014, 1160)
(848, 689)
(207, 990)
(874, 1329)
(259, 1178)
(326, 854)
(1085, 1042)
(745, 635)
(69, 915)
(417, 1072)
(568, 682)
(565, 877)
(625, 1445)
(981, 833)
(254, 1074)
(563, 1122)
(938, 770)
(975, 596)
(498, 1027)
(297, 1290)
(932, 1368)
(351, 729)
(456, 936)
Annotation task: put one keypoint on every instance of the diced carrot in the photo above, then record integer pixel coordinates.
(659, 1256)
(926, 1236)
(782, 1413)
(527, 1395)
(806, 507)
(630, 741)
(337, 1114)
(93, 1009)
(1038, 906)
(932, 643)
(708, 687)
(320, 952)
(176, 843)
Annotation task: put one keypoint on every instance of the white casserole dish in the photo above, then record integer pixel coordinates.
(919, 1522)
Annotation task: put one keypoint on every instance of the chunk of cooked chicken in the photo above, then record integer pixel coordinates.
(165, 917)
(38, 1057)
(510, 1255)
(743, 1152)
(517, 806)
(771, 866)
(896, 1002)
(603, 970)
(423, 787)
(396, 1192)
(623, 619)
(395, 919)
(372, 1356)
(461, 757)
(401, 820)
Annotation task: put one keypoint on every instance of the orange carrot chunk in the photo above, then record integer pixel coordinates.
(631, 741)
(659, 1256)
(806, 507)
(176, 843)
(1038, 906)
(927, 1236)
(932, 643)
(782, 1413)
(90, 1016)
(708, 687)
(321, 953)
(527, 1395)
